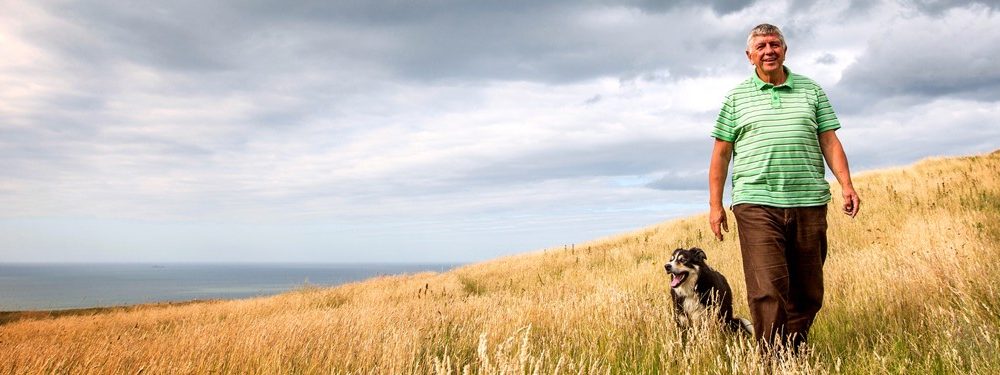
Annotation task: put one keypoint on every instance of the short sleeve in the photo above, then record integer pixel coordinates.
(825, 118)
(725, 125)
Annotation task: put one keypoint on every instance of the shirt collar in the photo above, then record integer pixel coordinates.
(762, 85)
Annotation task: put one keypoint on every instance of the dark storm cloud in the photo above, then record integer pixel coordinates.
(720, 7)
(172, 36)
(549, 42)
(929, 58)
(863, 8)
(936, 7)
(555, 41)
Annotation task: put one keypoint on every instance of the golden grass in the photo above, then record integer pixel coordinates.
(911, 287)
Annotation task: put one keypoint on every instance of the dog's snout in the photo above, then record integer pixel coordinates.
(667, 267)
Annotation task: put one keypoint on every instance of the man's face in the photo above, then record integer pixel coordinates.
(767, 53)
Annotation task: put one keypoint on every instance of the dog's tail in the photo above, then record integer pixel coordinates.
(746, 326)
(738, 324)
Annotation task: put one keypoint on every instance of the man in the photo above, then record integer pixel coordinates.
(777, 127)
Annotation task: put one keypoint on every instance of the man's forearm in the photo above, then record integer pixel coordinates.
(717, 171)
(836, 158)
(840, 168)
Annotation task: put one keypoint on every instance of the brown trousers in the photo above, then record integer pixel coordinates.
(783, 254)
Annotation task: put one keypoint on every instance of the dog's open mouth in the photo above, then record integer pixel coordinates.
(678, 279)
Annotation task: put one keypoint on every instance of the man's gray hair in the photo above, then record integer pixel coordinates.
(765, 29)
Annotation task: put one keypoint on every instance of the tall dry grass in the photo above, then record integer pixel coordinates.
(911, 288)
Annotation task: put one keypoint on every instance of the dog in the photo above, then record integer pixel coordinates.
(697, 290)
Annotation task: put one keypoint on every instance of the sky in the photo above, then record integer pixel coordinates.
(432, 131)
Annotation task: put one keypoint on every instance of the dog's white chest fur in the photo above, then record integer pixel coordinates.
(694, 311)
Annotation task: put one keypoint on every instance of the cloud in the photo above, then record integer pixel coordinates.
(626, 158)
(937, 7)
(902, 135)
(720, 7)
(677, 179)
(593, 100)
(827, 58)
(928, 57)
(442, 119)
(541, 41)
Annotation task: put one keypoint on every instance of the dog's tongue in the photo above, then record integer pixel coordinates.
(676, 281)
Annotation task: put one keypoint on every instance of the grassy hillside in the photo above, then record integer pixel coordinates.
(911, 287)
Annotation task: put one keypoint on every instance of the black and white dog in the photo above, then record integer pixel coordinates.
(695, 287)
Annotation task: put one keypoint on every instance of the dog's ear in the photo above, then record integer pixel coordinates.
(699, 254)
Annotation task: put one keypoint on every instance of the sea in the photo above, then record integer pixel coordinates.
(71, 286)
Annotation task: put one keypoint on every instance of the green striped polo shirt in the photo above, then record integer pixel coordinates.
(777, 159)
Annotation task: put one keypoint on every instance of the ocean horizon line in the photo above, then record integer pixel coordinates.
(59, 286)
(318, 263)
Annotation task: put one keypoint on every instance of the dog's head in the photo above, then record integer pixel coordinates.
(684, 265)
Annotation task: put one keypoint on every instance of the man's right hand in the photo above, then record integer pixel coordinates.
(717, 217)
